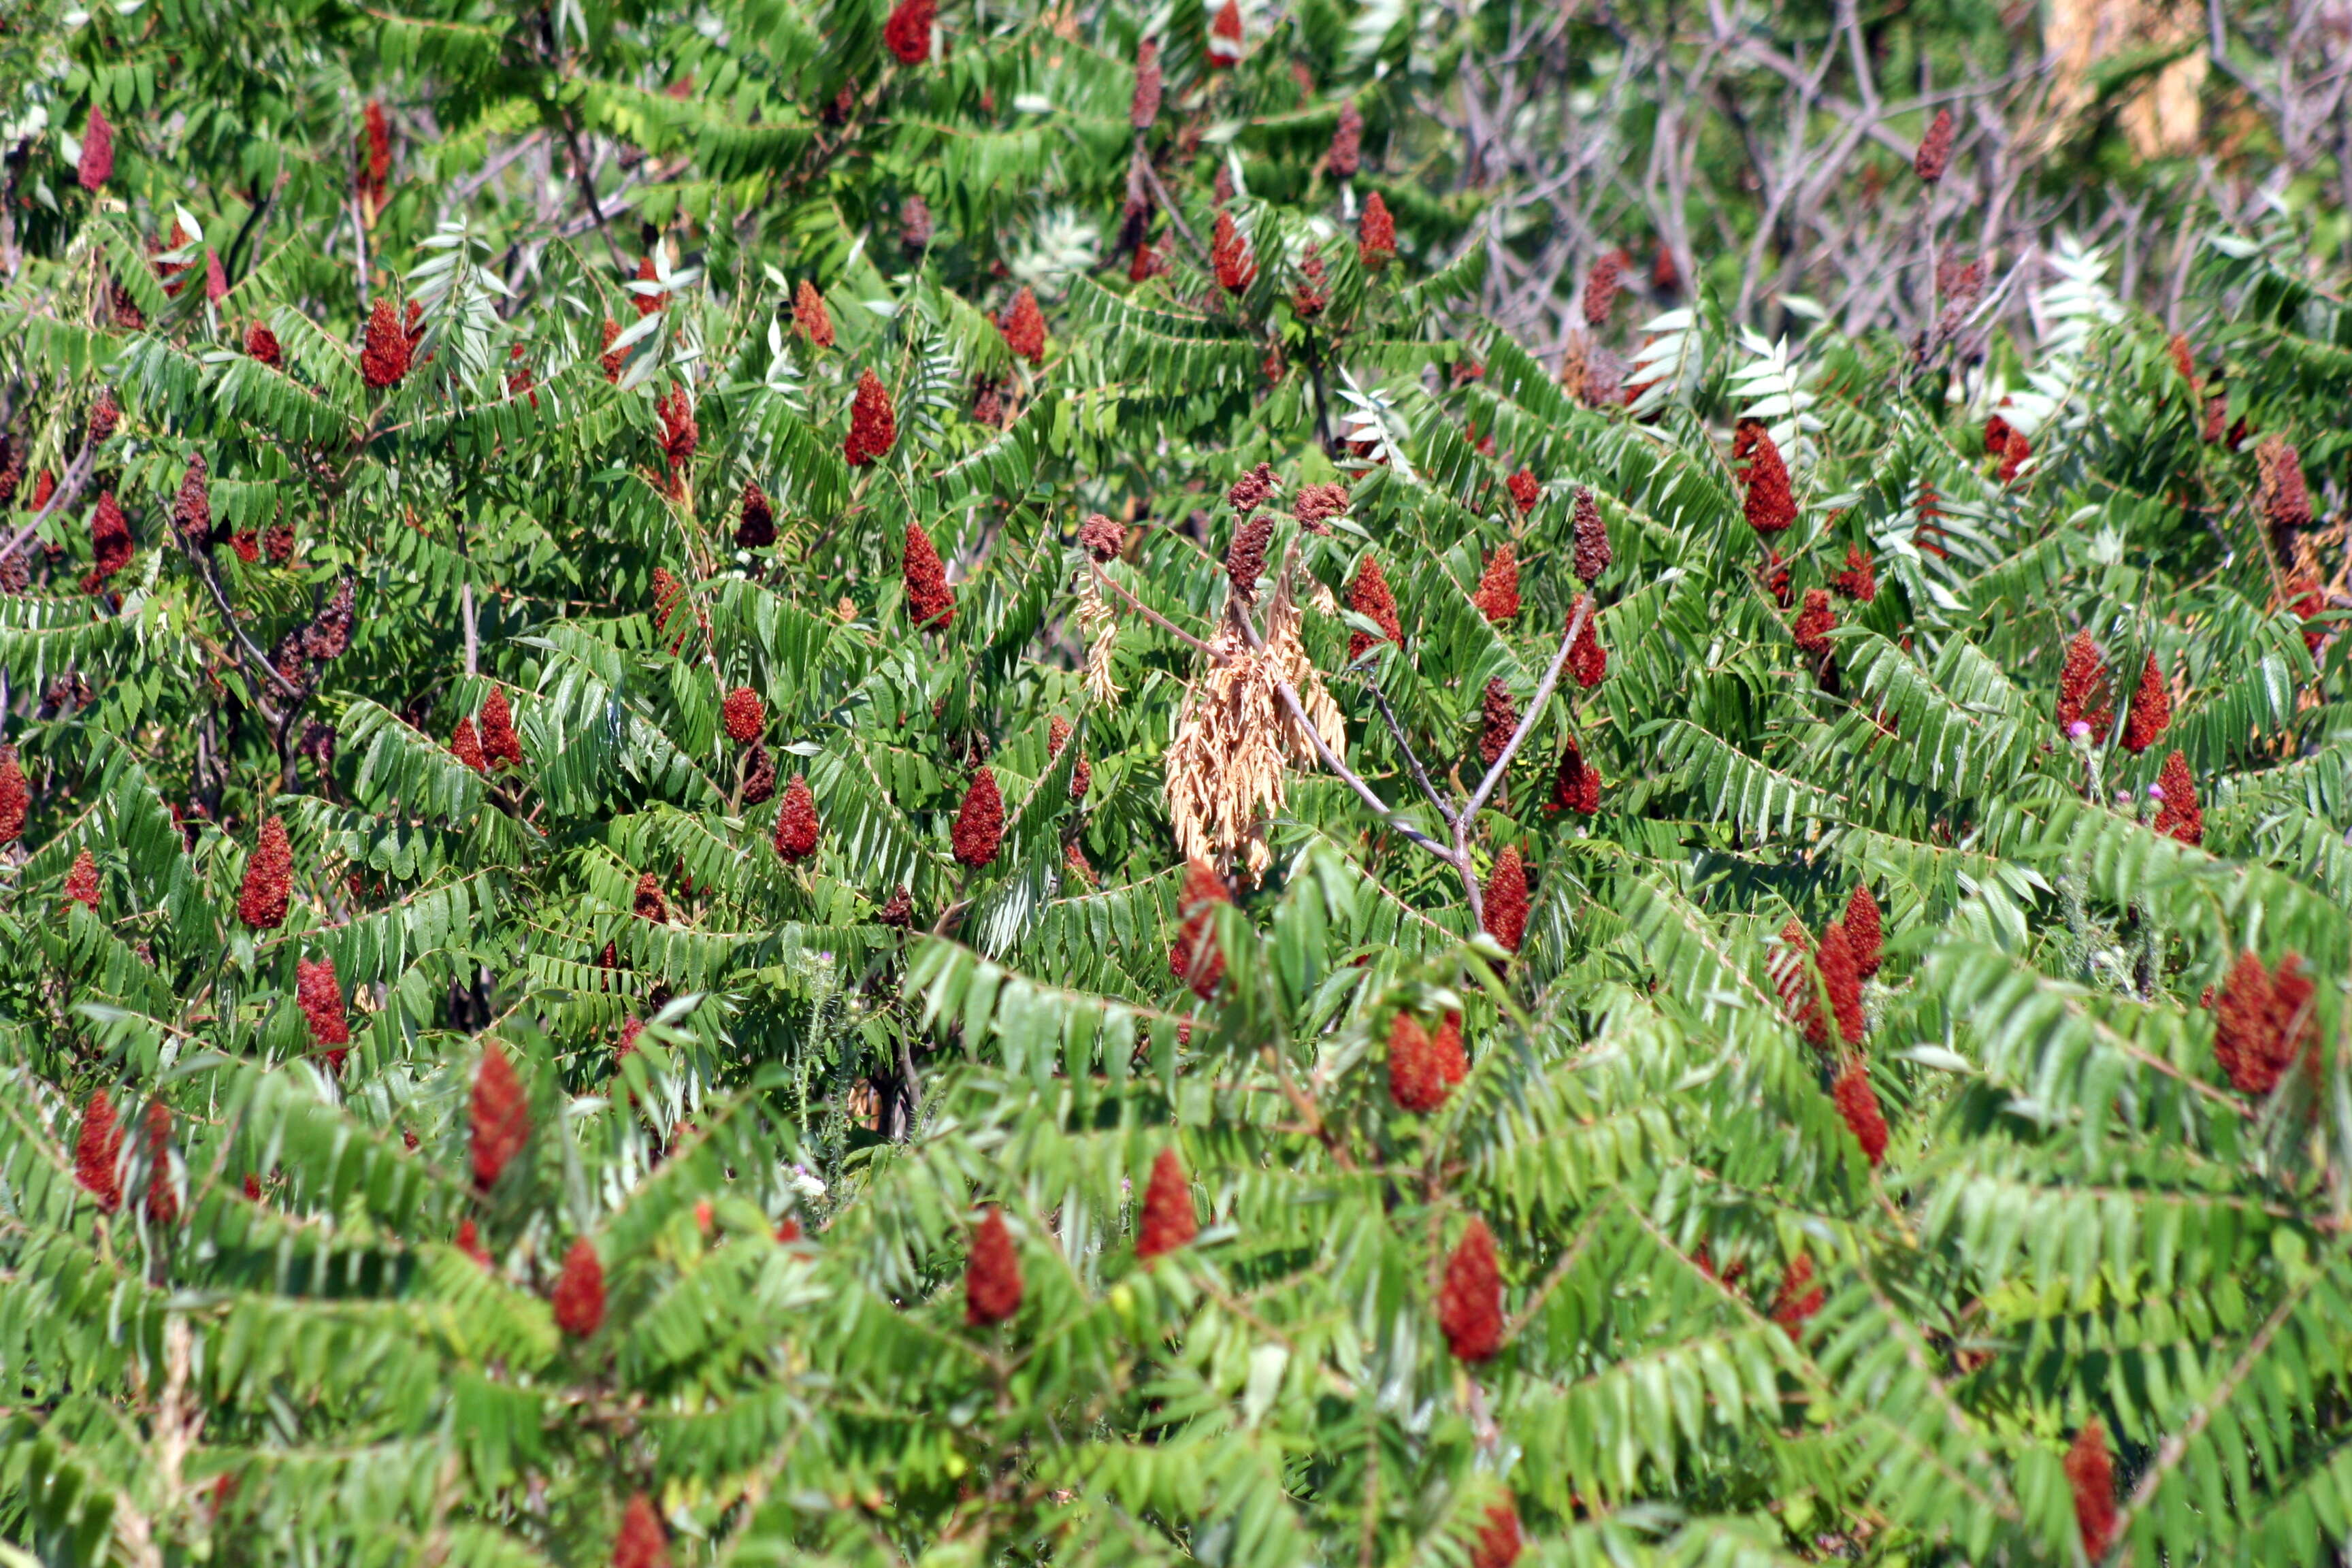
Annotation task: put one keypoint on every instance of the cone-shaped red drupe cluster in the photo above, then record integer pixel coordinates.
(1144, 107)
(1799, 998)
(1470, 1303)
(498, 1118)
(1368, 595)
(105, 416)
(1193, 957)
(1245, 557)
(163, 1197)
(1858, 1103)
(268, 879)
(384, 357)
(1935, 148)
(1815, 623)
(109, 542)
(648, 902)
(1859, 580)
(1498, 721)
(1082, 778)
(192, 509)
(2179, 816)
(320, 998)
(908, 32)
(758, 527)
(745, 715)
(979, 827)
(1497, 598)
(1318, 504)
(1416, 1080)
(579, 1296)
(2151, 709)
(1445, 1048)
(2262, 1021)
(1771, 505)
(1592, 552)
(97, 164)
(1024, 326)
(1346, 152)
(81, 881)
(2091, 1477)
(1601, 286)
(1101, 538)
(642, 1543)
(1865, 933)
(261, 343)
(1799, 1298)
(1588, 661)
(1375, 234)
(1499, 1543)
(465, 745)
(98, 1152)
(796, 821)
(2083, 696)
(500, 744)
(1229, 253)
(873, 424)
(1576, 786)
(810, 317)
(992, 1276)
(1506, 900)
(1841, 978)
(1168, 1221)
(15, 798)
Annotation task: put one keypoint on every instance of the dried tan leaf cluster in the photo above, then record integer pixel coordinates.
(1234, 736)
(1099, 627)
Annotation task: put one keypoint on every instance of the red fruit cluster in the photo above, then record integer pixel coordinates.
(1318, 504)
(2284, 499)
(2151, 709)
(1101, 538)
(1024, 326)
(465, 745)
(1375, 234)
(98, 1152)
(979, 827)
(1346, 153)
(929, 601)
(1168, 1221)
(497, 1118)
(1799, 1298)
(320, 998)
(1193, 957)
(679, 434)
(897, 911)
(268, 879)
(1497, 598)
(1576, 786)
(647, 903)
(992, 1276)
(1771, 505)
(81, 881)
(610, 358)
(163, 1197)
(1144, 107)
(1793, 977)
(873, 425)
(641, 1544)
(2179, 816)
(810, 317)
(384, 358)
(1081, 777)
(1525, 489)
(1498, 721)
(1865, 933)
(1588, 661)
(1245, 557)
(579, 1295)
(1859, 580)
(745, 715)
(261, 343)
(375, 157)
(2083, 696)
(796, 821)
(1506, 900)
(758, 527)
(16, 798)
(1225, 34)
(1230, 255)
(105, 416)
(1841, 978)
(1252, 489)
(1601, 286)
(1369, 597)
(1470, 1301)
(1935, 149)
(1858, 1103)
(1592, 552)
(649, 302)
(2262, 1021)
(192, 509)
(2009, 445)
(97, 164)
(2091, 1477)
(499, 742)
(1413, 1082)
(1311, 293)
(1499, 1543)
(1815, 623)
(907, 32)
(110, 541)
